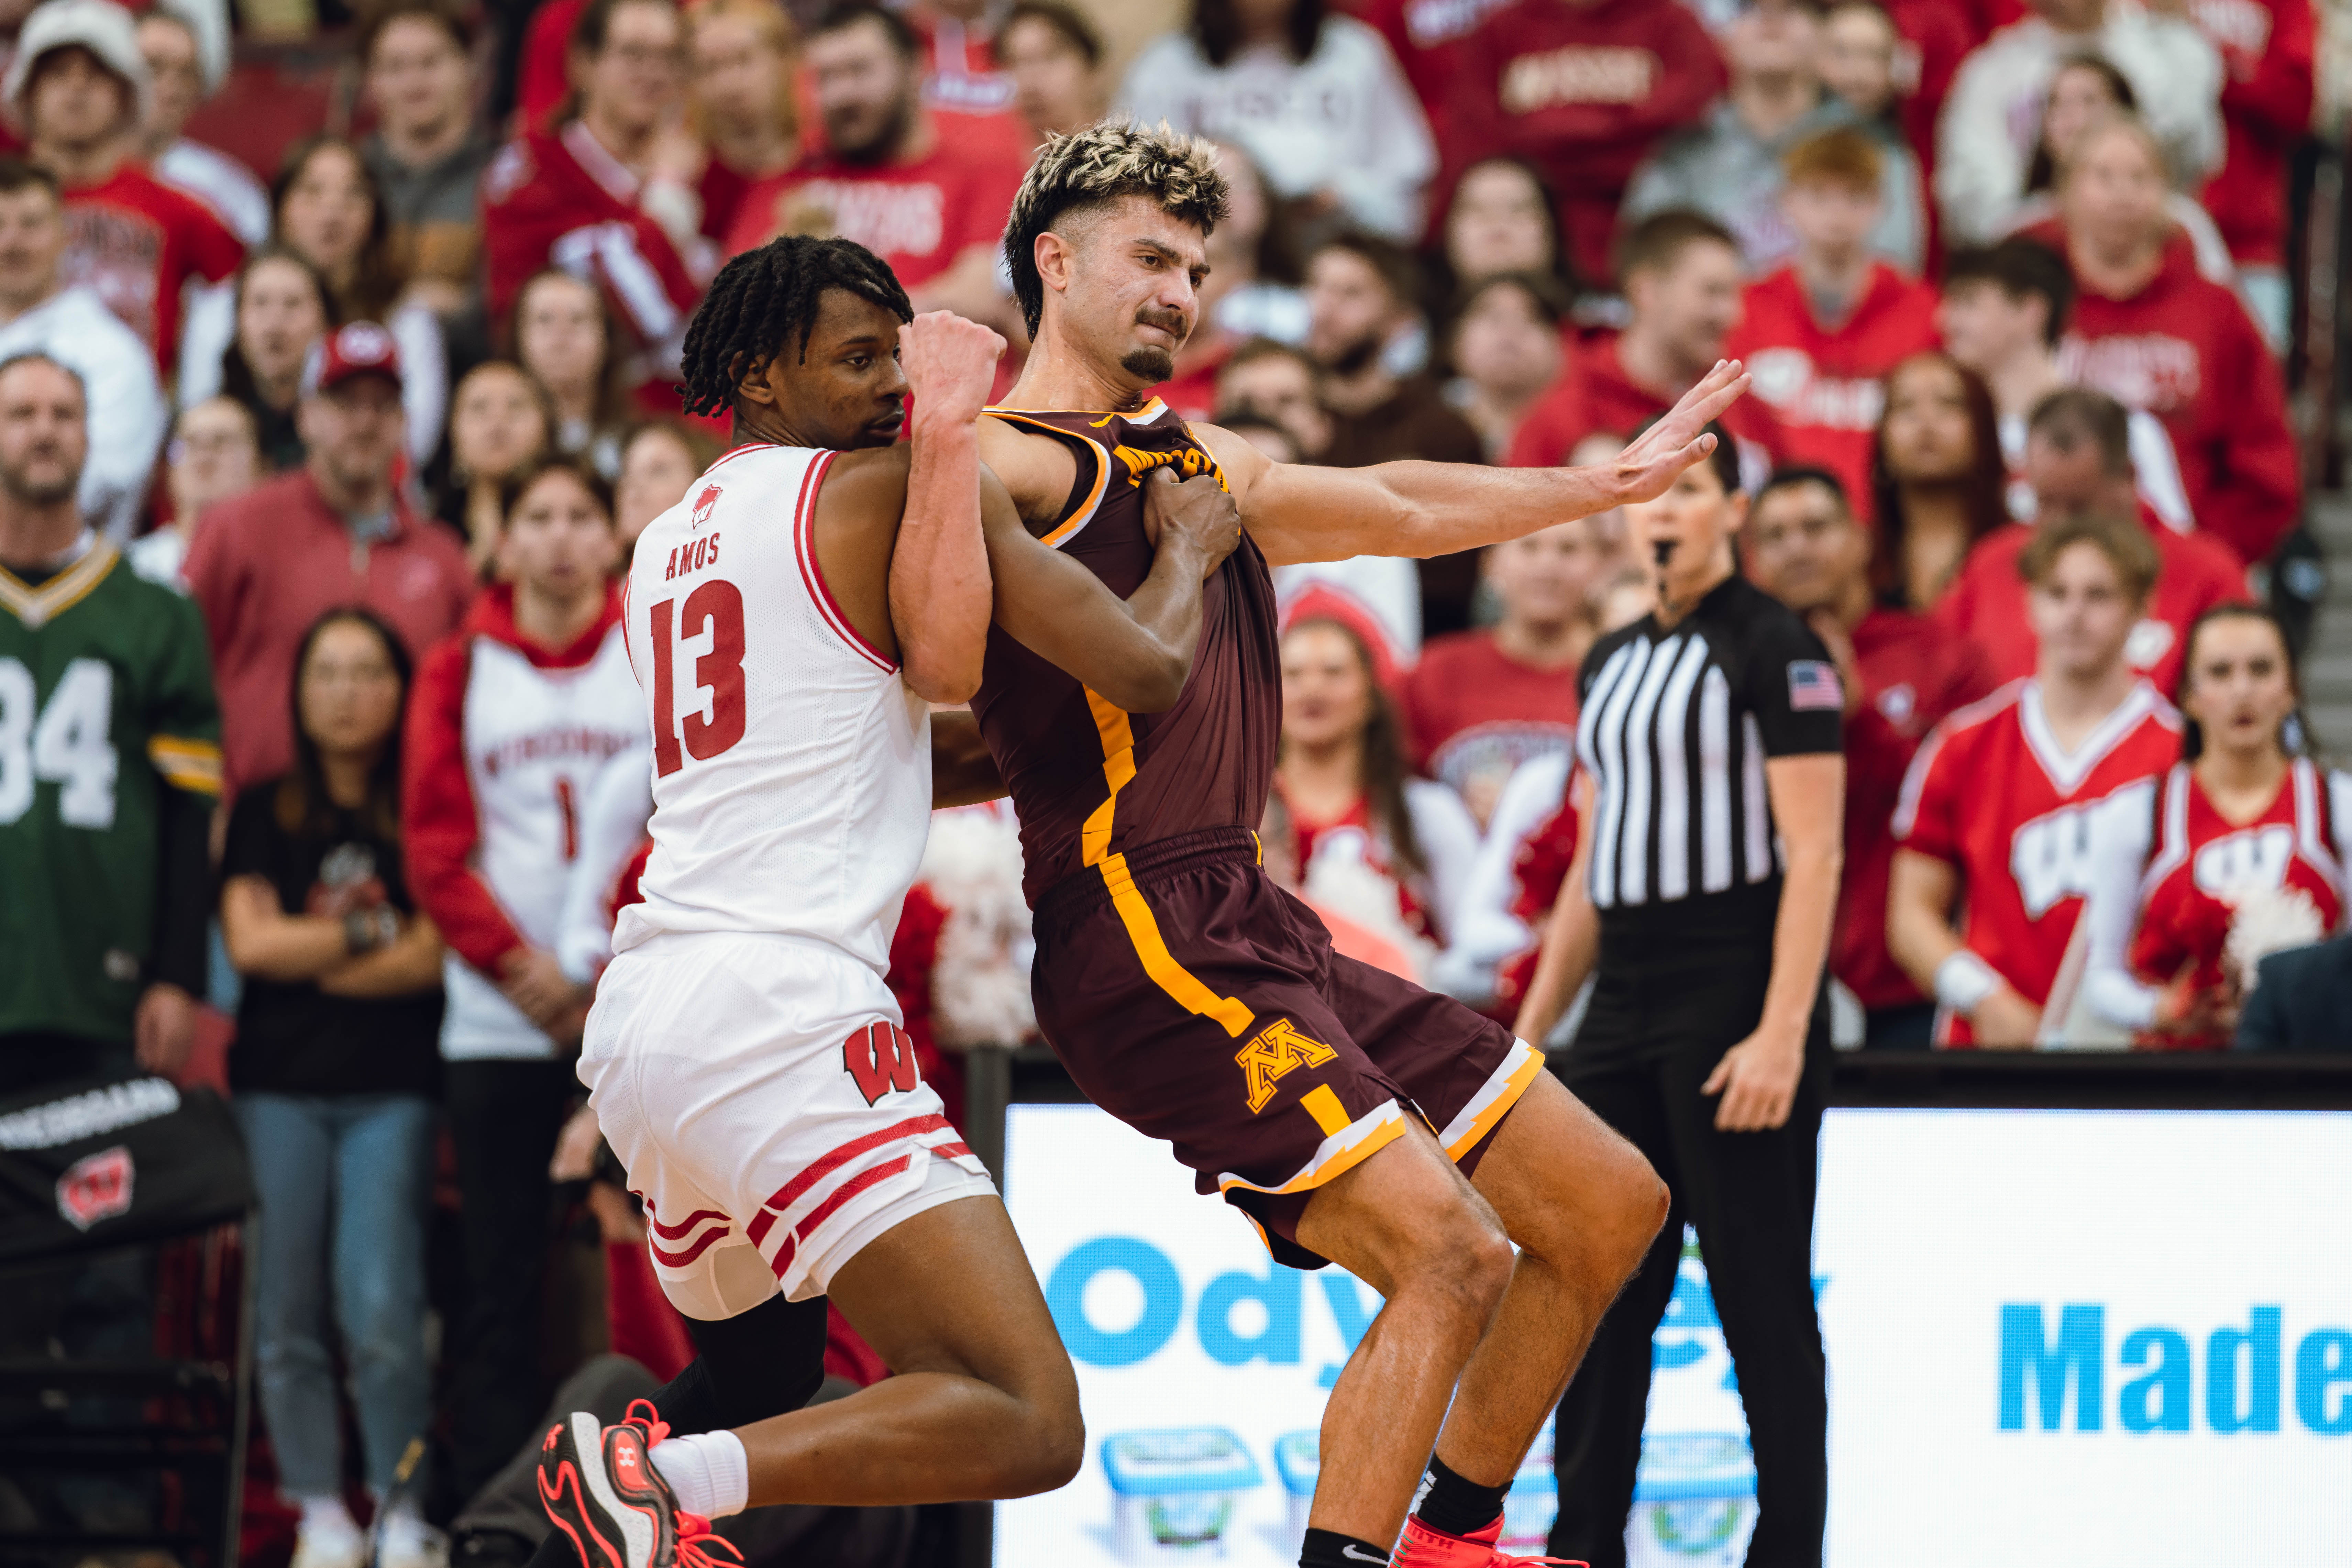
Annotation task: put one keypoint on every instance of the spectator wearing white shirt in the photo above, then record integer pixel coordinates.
(1992, 120)
(215, 453)
(40, 313)
(186, 63)
(1315, 98)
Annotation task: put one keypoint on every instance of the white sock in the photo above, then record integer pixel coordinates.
(327, 1515)
(710, 1472)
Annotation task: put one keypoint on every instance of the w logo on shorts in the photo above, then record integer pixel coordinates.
(880, 1058)
(1274, 1051)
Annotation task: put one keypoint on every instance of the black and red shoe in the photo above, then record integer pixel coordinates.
(599, 1486)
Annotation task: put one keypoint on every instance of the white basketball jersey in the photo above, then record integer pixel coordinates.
(537, 739)
(792, 765)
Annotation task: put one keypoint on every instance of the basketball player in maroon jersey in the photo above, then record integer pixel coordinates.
(1353, 1117)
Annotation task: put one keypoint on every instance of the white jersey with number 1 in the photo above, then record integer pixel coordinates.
(745, 1057)
(791, 764)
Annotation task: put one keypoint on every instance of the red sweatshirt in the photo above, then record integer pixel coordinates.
(1583, 93)
(2268, 48)
(1914, 670)
(1826, 386)
(559, 199)
(268, 563)
(1987, 601)
(920, 216)
(1596, 394)
(2184, 349)
(138, 241)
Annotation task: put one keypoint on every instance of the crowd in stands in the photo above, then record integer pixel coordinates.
(373, 427)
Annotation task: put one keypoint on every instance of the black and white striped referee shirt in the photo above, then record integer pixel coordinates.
(1676, 728)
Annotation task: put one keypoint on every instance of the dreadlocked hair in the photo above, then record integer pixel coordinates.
(1095, 167)
(765, 299)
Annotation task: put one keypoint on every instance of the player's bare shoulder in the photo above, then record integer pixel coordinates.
(1037, 469)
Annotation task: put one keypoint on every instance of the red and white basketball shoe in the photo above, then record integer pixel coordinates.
(1427, 1548)
(599, 1486)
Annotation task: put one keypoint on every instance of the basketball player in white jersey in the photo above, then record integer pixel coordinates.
(744, 1057)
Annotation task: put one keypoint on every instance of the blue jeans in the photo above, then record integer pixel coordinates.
(346, 1185)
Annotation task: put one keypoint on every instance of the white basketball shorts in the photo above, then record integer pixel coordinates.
(765, 1102)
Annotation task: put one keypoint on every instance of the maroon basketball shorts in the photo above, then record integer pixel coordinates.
(1197, 1002)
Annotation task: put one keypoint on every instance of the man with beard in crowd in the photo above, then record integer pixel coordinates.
(1360, 294)
(931, 205)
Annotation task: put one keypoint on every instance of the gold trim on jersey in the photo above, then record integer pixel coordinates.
(1183, 985)
(1067, 528)
(37, 607)
(190, 765)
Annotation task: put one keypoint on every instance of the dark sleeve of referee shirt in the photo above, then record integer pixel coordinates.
(1712, 789)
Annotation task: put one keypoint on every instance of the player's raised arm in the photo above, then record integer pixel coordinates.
(1137, 652)
(1298, 513)
(939, 594)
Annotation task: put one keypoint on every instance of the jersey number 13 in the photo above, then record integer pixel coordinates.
(719, 604)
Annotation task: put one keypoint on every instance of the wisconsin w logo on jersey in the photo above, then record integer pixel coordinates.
(2051, 858)
(2254, 860)
(1274, 1051)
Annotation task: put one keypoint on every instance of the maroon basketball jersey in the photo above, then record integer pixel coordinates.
(1090, 781)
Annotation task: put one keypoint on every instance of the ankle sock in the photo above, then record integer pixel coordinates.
(327, 1515)
(1455, 1505)
(710, 1472)
(1329, 1549)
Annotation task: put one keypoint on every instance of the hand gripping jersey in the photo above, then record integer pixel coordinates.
(792, 765)
(2172, 876)
(1208, 762)
(1187, 994)
(1993, 794)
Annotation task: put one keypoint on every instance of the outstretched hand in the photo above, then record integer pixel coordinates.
(1645, 469)
(950, 364)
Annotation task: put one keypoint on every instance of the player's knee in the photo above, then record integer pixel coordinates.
(1637, 1204)
(1468, 1262)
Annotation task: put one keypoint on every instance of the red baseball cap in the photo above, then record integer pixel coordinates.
(355, 348)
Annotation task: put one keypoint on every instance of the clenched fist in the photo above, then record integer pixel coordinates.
(950, 364)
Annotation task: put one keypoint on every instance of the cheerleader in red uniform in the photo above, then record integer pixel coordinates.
(2239, 850)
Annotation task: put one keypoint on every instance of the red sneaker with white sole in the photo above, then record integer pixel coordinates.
(1427, 1548)
(599, 1486)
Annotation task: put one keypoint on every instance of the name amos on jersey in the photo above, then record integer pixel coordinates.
(703, 551)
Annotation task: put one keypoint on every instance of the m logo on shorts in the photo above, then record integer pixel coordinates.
(1274, 1051)
(880, 1058)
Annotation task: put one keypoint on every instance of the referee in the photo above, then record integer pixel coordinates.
(1709, 795)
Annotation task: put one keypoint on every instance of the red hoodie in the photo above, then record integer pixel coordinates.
(1987, 601)
(1582, 92)
(1914, 670)
(1827, 386)
(1596, 394)
(2268, 48)
(2184, 349)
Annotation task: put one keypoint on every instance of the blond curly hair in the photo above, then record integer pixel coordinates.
(1095, 167)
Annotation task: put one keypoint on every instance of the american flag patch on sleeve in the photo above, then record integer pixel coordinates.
(1813, 687)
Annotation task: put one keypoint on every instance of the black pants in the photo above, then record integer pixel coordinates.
(503, 1119)
(1656, 1029)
